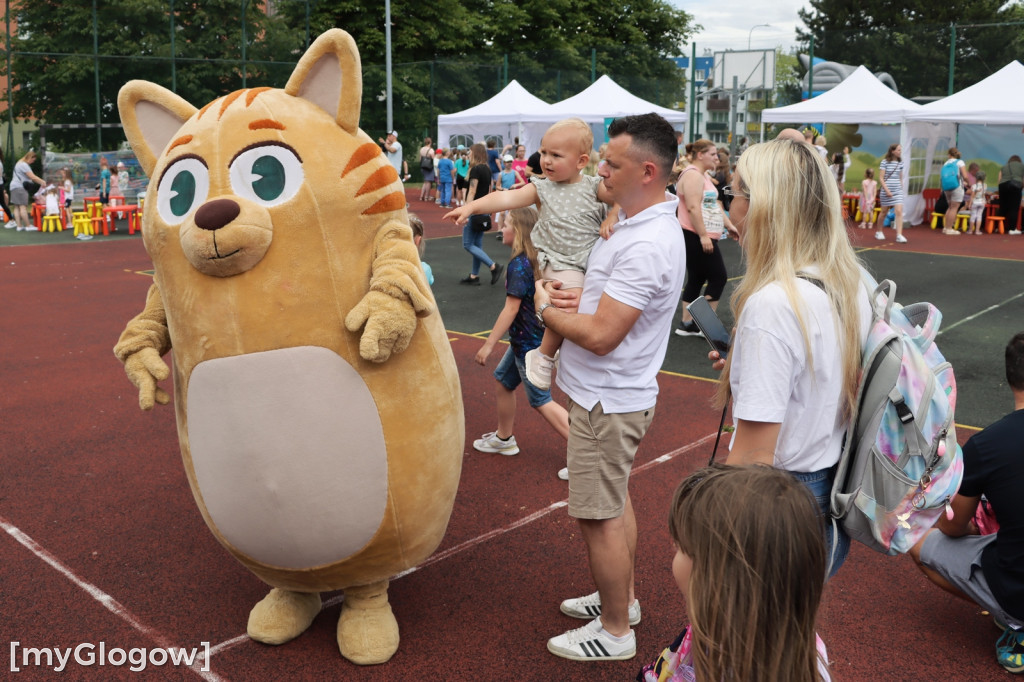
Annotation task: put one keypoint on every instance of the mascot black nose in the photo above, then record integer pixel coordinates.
(215, 214)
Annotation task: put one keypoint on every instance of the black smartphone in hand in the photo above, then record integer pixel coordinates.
(710, 326)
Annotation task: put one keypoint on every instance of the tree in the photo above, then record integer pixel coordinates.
(787, 79)
(54, 66)
(910, 39)
(450, 55)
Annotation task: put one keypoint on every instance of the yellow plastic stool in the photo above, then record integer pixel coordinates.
(80, 221)
(935, 219)
(962, 221)
(51, 223)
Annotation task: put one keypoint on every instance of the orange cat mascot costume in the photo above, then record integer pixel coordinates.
(317, 399)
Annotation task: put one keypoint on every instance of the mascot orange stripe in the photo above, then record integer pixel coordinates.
(227, 102)
(253, 94)
(184, 139)
(266, 123)
(392, 202)
(250, 95)
(382, 177)
(363, 154)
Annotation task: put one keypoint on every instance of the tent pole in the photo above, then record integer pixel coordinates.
(693, 86)
(810, 72)
(952, 54)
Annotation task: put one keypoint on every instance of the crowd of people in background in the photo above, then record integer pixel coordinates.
(569, 213)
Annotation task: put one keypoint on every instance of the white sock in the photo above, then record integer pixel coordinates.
(617, 640)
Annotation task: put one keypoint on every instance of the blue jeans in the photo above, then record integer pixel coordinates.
(472, 241)
(446, 193)
(820, 484)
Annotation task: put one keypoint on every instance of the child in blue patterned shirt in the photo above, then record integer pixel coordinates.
(524, 333)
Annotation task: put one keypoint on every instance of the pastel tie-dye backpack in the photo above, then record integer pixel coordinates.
(901, 463)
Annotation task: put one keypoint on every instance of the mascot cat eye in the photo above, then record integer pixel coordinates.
(267, 174)
(183, 187)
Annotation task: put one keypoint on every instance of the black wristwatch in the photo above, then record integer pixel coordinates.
(540, 313)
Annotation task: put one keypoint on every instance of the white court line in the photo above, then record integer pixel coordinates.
(980, 313)
(99, 595)
(115, 607)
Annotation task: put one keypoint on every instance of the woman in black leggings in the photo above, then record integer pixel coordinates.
(701, 218)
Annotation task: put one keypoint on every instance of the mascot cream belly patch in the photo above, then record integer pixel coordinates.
(317, 399)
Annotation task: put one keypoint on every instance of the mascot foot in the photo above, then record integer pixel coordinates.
(367, 629)
(282, 616)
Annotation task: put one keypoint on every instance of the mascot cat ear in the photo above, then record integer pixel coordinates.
(151, 115)
(330, 76)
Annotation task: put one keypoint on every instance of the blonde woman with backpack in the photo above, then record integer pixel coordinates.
(802, 315)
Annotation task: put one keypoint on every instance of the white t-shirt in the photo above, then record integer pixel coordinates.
(978, 198)
(395, 157)
(643, 265)
(772, 381)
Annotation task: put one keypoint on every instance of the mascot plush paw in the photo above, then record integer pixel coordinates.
(317, 400)
(282, 616)
(367, 629)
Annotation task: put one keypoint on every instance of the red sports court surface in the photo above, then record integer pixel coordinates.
(104, 543)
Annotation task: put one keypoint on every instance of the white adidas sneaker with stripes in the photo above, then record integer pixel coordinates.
(592, 643)
(589, 607)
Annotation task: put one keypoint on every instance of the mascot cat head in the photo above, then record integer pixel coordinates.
(227, 179)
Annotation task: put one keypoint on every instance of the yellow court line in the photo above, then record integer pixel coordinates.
(687, 376)
(961, 255)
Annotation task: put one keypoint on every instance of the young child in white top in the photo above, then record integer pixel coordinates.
(978, 190)
(572, 207)
(52, 200)
(868, 194)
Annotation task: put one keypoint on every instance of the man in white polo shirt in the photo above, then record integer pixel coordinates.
(614, 347)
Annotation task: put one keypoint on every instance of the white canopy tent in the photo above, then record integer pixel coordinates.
(501, 115)
(603, 99)
(514, 112)
(861, 98)
(932, 129)
(996, 100)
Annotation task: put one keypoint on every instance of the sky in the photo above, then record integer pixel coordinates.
(728, 23)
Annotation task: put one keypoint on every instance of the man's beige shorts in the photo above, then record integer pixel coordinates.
(600, 453)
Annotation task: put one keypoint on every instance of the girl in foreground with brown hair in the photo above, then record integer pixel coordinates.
(750, 561)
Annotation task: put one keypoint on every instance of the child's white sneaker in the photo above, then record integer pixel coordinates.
(539, 368)
(489, 442)
(879, 236)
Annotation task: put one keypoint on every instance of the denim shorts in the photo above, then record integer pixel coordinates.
(511, 372)
(820, 484)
